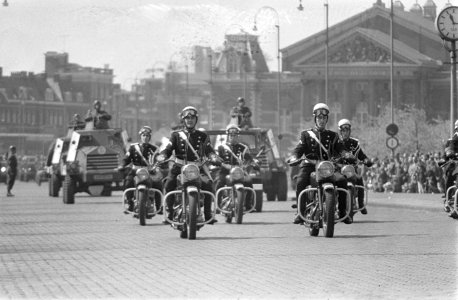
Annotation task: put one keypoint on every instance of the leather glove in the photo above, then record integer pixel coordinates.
(226, 166)
(368, 163)
(216, 160)
(293, 161)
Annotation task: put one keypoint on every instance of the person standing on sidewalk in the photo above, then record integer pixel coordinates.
(11, 170)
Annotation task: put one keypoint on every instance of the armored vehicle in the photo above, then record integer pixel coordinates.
(271, 179)
(86, 161)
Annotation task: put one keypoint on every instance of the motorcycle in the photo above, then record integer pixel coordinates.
(451, 199)
(188, 201)
(348, 167)
(145, 197)
(232, 203)
(321, 205)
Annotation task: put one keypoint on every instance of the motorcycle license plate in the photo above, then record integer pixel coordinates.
(103, 177)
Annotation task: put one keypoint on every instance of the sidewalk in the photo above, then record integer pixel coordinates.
(431, 202)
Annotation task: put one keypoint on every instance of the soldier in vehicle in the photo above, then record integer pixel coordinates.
(318, 143)
(77, 123)
(139, 155)
(242, 114)
(99, 116)
(352, 145)
(229, 153)
(190, 145)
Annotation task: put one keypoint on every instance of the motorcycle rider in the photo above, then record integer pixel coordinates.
(352, 145)
(229, 152)
(99, 116)
(318, 143)
(242, 113)
(189, 145)
(450, 152)
(140, 155)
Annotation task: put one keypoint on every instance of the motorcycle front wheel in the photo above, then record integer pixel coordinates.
(329, 206)
(191, 218)
(239, 204)
(142, 209)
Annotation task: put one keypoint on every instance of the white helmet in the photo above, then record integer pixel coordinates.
(189, 111)
(320, 109)
(232, 128)
(145, 129)
(343, 122)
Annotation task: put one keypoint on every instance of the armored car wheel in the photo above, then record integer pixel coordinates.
(282, 188)
(259, 195)
(54, 185)
(69, 190)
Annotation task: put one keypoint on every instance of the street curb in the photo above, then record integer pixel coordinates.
(408, 206)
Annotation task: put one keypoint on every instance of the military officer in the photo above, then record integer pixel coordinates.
(99, 116)
(189, 145)
(230, 153)
(352, 145)
(139, 155)
(318, 143)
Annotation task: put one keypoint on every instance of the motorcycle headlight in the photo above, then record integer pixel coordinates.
(190, 172)
(348, 171)
(3, 169)
(142, 174)
(324, 169)
(237, 173)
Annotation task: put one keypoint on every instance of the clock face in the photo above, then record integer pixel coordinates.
(447, 23)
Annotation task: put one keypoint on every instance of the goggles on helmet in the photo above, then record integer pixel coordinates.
(345, 128)
(321, 111)
(189, 112)
(232, 132)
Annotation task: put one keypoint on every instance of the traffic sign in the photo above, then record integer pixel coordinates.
(392, 142)
(392, 129)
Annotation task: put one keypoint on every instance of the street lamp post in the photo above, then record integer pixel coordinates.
(326, 62)
(277, 26)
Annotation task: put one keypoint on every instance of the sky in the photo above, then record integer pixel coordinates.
(132, 36)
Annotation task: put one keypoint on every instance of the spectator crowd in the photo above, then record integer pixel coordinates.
(406, 173)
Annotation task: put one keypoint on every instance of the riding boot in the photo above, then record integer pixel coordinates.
(343, 208)
(361, 202)
(208, 210)
(169, 211)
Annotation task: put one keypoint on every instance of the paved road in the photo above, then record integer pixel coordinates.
(405, 248)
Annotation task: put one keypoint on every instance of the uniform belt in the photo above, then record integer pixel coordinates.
(183, 162)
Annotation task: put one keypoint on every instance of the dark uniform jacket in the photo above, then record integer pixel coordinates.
(198, 139)
(132, 156)
(12, 165)
(352, 145)
(311, 149)
(243, 116)
(451, 146)
(100, 119)
(240, 150)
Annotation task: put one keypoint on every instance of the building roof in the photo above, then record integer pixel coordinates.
(373, 24)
